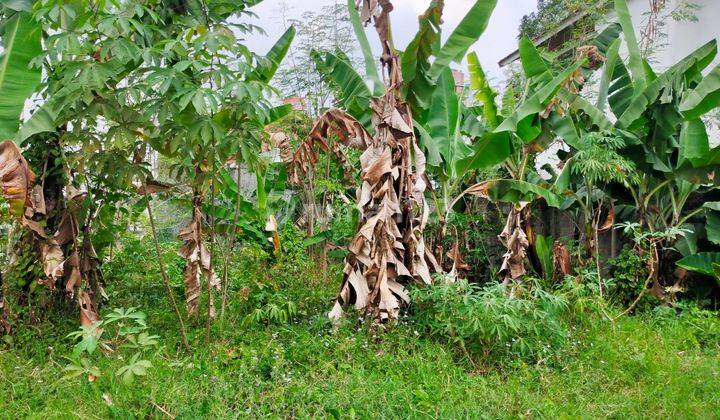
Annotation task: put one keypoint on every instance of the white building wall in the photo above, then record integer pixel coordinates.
(682, 38)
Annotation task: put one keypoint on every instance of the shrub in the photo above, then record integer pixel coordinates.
(121, 333)
(629, 273)
(583, 295)
(487, 322)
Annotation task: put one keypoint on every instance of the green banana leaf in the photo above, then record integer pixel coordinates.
(42, 120)
(350, 89)
(276, 113)
(543, 247)
(637, 68)
(275, 56)
(607, 37)
(371, 71)
(444, 115)
(693, 63)
(562, 183)
(488, 151)
(415, 60)
(578, 103)
(514, 191)
(705, 97)
(621, 91)
(463, 37)
(428, 145)
(613, 55)
(564, 127)
(712, 226)
(21, 43)
(700, 263)
(444, 123)
(521, 120)
(483, 92)
(694, 143)
(532, 62)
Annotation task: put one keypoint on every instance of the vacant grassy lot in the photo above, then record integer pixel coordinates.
(656, 364)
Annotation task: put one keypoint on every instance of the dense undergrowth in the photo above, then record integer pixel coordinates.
(460, 351)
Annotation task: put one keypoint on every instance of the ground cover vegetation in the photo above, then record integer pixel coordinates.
(179, 245)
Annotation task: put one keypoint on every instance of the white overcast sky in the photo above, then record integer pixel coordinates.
(499, 39)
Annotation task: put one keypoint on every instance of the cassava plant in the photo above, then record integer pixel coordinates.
(204, 96)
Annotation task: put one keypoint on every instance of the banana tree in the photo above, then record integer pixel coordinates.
(454, 142)
(659, 117)
(530, 127)
(389, 249)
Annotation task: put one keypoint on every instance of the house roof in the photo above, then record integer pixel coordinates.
(568, 22)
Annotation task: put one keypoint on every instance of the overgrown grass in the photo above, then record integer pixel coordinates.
(658, 364)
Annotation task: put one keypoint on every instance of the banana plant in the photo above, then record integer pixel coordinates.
(659, 117)
(428, 82)
(530, 126)
(455, 143)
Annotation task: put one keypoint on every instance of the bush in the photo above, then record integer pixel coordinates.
(487, 322)
(629, 273)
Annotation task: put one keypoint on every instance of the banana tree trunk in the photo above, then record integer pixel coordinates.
(388, 250)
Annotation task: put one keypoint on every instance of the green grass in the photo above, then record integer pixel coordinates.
(650, 365)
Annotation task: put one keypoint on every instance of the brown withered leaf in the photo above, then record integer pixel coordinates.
(271, 226)
(197, 262)
(191, 251)
(88, 313)
(281, 141)
(334, 124)
(37, 196)
(456, 257)
(153, 187)
(593, 54)
(16, 178)
(561, 259)
(349, 130)
(516, 242)
(480, 190)
(72, 266)
(609, 221)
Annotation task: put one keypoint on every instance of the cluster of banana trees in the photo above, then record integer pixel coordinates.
(639, 154)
